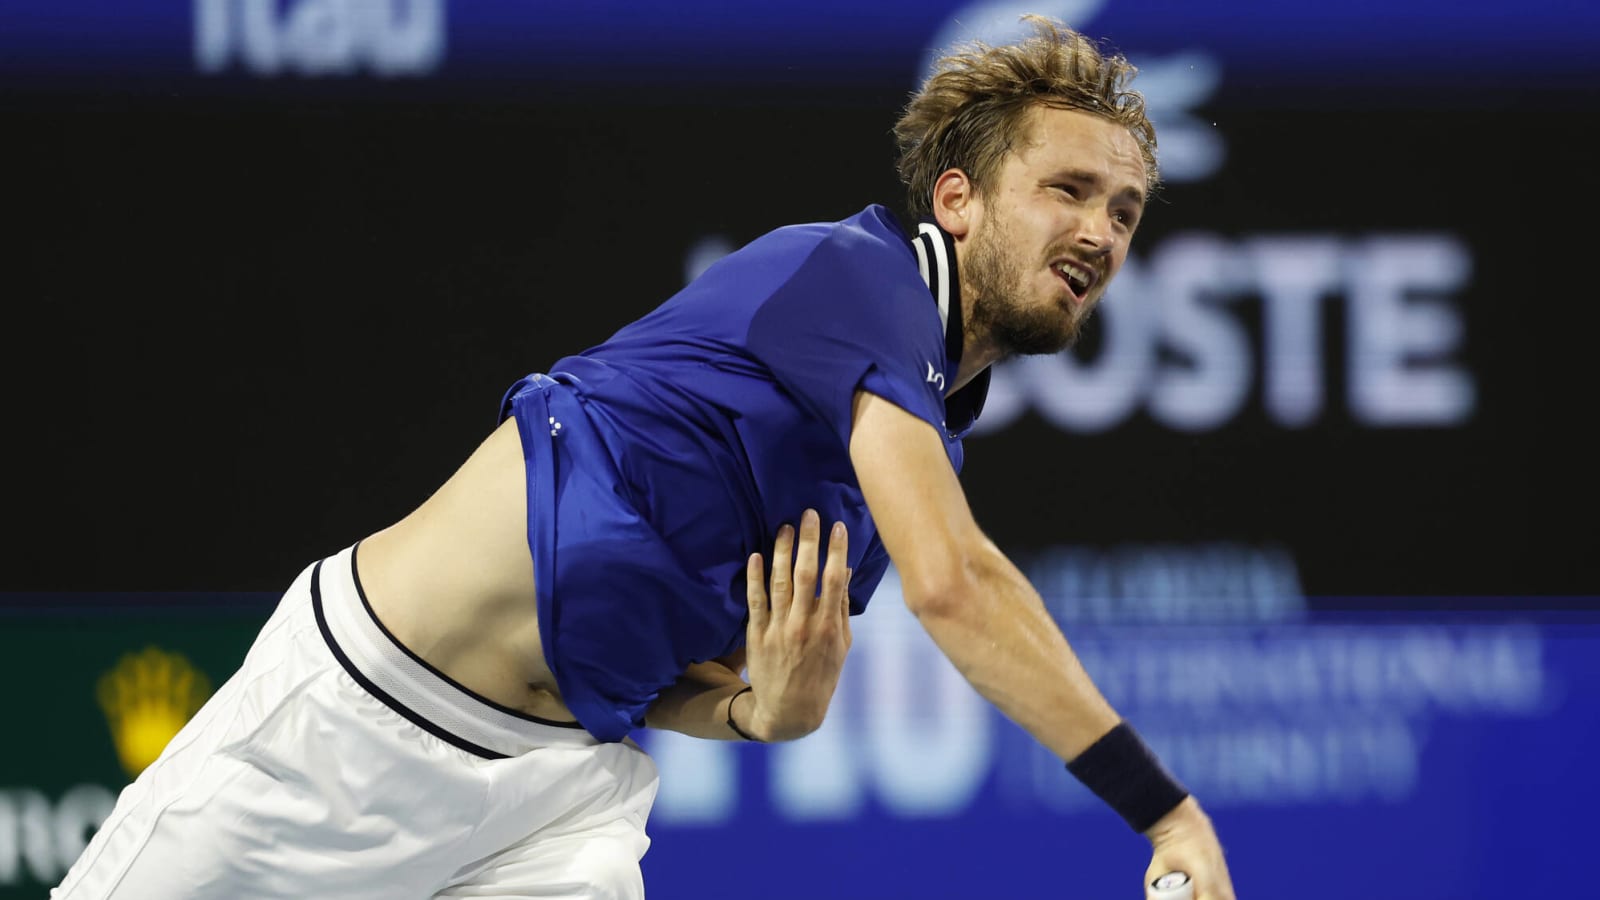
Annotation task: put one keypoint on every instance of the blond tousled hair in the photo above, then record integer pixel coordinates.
(972, 110)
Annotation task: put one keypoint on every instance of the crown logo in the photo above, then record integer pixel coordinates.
(147, 697)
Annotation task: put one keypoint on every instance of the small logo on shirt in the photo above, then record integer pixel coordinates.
(935, 378)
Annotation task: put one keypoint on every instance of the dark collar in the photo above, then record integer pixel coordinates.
(936, 260)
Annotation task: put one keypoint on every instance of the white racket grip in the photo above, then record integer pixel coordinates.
(1171, 886)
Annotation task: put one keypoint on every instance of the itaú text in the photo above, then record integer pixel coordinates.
(1201, 326)
(315, 38)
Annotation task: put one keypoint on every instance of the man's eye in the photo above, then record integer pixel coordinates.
(1067, 189)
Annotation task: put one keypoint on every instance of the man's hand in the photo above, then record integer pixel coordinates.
(797, 642)
(1184, 841)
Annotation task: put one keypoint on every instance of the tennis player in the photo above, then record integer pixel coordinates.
(445, 708)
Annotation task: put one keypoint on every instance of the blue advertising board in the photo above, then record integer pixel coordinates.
(1374, 755)
(1380, 756)
(1553, 42)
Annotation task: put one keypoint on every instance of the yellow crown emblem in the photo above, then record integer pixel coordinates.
(147, 697)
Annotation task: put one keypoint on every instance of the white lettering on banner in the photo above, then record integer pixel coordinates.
(320, 37)
(1295, 274)
(1297, 713)
(1264, 763)
(1401, 332)
(1394, 339)
(1192, 274)
(821, 778)
(40, 840)
(704, 787)
(1167, 584)
(1272, 763)
(928, 733)
(1411, 669)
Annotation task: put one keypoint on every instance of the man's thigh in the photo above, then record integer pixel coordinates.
(598, 864)
(256, 837)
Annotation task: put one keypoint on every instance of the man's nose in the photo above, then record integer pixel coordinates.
(1095, 232)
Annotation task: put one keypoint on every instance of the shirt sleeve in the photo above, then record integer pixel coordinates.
(854, 315)
(867, 575)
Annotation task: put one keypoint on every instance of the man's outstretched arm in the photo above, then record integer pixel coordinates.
(973, 601)
(991, 623)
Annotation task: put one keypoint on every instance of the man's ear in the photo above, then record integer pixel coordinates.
(954, 202)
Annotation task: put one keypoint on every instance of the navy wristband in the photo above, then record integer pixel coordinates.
(1121, 770)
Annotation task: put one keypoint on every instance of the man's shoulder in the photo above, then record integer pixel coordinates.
(864, 255)
(867, 254)
(855, 276)
(874, 229)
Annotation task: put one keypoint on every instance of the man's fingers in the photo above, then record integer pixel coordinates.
(782, 571)
(844, 608)
(836, 573)
(755, 591)
(805, 560)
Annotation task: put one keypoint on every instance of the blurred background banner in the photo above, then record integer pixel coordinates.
(1392, 756)
(832, 41)
(1315, 496)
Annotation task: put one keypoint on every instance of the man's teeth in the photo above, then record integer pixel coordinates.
(1076, 276)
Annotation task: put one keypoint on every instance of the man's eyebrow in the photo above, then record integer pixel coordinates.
(1130, 193)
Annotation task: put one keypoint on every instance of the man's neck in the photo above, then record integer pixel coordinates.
(978, 349)
(939, 257)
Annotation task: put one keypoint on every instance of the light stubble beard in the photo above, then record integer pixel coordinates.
(997, 278)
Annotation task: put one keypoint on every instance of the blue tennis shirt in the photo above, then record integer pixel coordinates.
(659, 460)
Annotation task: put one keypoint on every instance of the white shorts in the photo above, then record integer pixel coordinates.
(336, 764)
